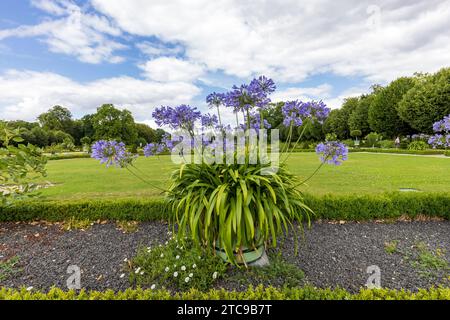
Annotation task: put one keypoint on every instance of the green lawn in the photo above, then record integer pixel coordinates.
(361, 174)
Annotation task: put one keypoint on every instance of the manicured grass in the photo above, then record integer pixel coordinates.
(361, 174)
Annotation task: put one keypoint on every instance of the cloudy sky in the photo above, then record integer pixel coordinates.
(140, 54)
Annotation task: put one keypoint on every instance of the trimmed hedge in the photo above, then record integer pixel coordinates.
(399, 151)
(258, 293)
(332, 207)
(69, 156)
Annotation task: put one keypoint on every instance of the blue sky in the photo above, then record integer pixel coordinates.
(142, 54)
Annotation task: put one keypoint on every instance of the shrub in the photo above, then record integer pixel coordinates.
(335, 207)
(387, 144)
(447, 153)
(418, 145)
(176, 265)
(258, 293)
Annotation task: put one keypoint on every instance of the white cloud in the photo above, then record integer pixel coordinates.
(168, 69)
(296, 93)
(83, 35)
(291, 40)
(26, 94)
(155, 49)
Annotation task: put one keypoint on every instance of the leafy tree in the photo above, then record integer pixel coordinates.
(87, 126)
(145, 132)
(18, 165)
(383, 111)
(57, 118)
(112, 123)
(85, 141)
(39, 137)
(337, 122)
(427, 102)
(358, 119)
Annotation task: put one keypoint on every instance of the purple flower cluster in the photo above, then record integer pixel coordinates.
(182, 116)
(420, 136)
(152, 149)
(215, 99)
(442, 137)
(255, 94)
(209, 121)
(332, 152)
(255, 122)
(111, 152)
(294, 112)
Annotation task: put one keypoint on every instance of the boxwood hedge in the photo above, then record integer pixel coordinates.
(258, 293)
(333, 207)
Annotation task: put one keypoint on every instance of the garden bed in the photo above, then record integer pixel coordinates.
(411, 255)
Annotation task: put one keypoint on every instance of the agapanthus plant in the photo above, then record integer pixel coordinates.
(441, 139)
(234, 199)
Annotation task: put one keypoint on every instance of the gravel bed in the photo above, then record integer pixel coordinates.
(331, 254)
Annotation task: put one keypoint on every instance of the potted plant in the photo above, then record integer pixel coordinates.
(233, 199)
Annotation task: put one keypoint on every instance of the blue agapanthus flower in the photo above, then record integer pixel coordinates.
(209, 121)
(153, 149)
(180, 117)
(295, 112)
(332, 152)
(442, 137)
(255, 94)
(111, 153)
(215, 99)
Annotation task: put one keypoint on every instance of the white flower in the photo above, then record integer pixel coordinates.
(187, 279)
(175, 274)
(215, 275)
(160, 245)
(122, 275)
(191, 275)
(194, 266)
(174, 265)
(200, 257)
(149, 248)
(166, 243)
(142, 273)
(125, 260)
(177, 257)
(162, 255)
(29, 288)
(167, 269)
(183, 268)
(137, 270)
(153, 286)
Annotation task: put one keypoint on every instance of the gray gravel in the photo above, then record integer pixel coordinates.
(331, 255)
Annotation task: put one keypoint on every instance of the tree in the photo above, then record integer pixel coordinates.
(358, 119)
(87, 126)
(383, 111)
(112, 123)
(145, 132)
(427, 102)
(57, 118)
(38, 137)
(337, 121)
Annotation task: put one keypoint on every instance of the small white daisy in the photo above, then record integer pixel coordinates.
(183, 268)
(175, 274)
(162, 255)
(153, 286)
(167, 269)
(29, 288)
(215, 275)
(191, 275)
(194, 266)
(187, 279)
(142, 273)
(137, 270)
(177, 257)
(167, 242)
